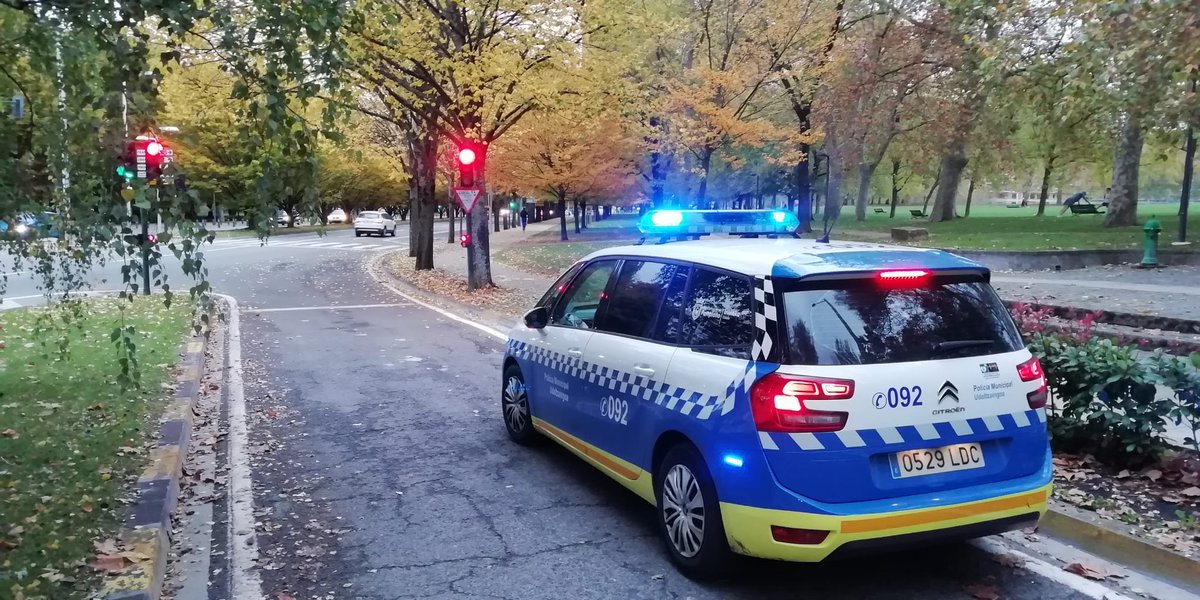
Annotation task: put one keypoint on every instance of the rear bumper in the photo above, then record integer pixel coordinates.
(748, 529)
(370, 228)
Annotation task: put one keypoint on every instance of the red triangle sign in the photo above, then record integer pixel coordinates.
(467, 197)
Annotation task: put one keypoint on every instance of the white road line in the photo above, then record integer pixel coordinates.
(7, 304)
(11, 273)
(445, 313)
(245, 582)
(332, 307)
(1088, 588)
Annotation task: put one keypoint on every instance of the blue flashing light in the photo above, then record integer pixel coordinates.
(703, 222)
(666, 218)
(733, 460)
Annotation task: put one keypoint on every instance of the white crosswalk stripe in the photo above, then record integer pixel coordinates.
(313, 244)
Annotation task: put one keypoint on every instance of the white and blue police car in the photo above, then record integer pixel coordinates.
(785, 398)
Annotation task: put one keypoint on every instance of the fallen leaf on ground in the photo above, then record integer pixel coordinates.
(283, 596)
(1086, 571)
(87, 507)
(108, 546)
(1123, 474)
(1191, 492)
(1153, 474)
(10, 434)
(113, 563)
(982, 592)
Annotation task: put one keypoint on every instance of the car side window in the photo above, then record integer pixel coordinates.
(581, 300)
(559, 287)
(637, 297)
(719, 314)
(669, 324)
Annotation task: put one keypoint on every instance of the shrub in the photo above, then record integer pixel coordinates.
(1110, 399)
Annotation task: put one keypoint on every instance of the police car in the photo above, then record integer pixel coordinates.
(785, 398)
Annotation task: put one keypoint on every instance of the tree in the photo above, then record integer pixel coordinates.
(101, 58)
(478, 66)
(558, 156)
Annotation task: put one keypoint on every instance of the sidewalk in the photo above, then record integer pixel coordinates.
(1168, 292)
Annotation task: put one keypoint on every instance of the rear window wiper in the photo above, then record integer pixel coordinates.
(958, 345)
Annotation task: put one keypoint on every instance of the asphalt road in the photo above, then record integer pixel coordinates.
(381, 468)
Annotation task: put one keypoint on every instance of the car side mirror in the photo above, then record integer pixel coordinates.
(537, 318)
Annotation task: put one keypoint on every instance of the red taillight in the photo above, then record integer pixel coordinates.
(782, 403)
(1030, 370)
(1038, 398)
(791, 535)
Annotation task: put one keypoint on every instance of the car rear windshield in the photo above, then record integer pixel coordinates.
(862, 324)
(368, 215)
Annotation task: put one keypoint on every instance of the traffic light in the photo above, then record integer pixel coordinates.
(464, 240)
(468, 165)
(513, 205)
(124, 172)
(147, 156)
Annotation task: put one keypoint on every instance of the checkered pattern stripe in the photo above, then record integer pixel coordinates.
(675, 398)
(765, 317)
(947, 432)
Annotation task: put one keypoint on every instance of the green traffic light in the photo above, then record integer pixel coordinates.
(123, 172)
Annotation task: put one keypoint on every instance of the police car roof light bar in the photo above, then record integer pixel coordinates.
(683, 224)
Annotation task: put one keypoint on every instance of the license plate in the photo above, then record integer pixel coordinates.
(931, 461)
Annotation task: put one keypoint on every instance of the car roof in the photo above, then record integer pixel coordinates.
(791, 257)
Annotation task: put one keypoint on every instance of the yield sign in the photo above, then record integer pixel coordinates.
(467, 197)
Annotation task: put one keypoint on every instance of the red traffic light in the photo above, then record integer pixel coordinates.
(153, 239)
(464, 240)
(466, 156)
(154, 148)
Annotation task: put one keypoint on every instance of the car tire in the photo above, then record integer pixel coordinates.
(514, 407)
(393, 233)
(688, 514)
(357, 234)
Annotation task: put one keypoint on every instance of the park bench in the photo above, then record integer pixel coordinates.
(1085, 209)
(917, 213)
(879, 211)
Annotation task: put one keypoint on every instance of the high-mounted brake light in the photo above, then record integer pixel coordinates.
(782, 403)
(903, 275)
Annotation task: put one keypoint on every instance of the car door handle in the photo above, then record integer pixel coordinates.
(574, 351)
(643, 370)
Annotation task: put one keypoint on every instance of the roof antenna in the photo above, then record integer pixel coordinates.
(824, 239)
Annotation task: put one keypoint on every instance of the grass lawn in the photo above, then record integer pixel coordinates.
(238, 233)
(990, 227)
(993, 227)
(71, 441)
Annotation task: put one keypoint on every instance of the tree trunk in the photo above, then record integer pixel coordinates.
(424, 161)
(936, 180)
(866, 171)
(450, 234)
(833, 189)
(803, 192)
(953, 163)
(1122, 202)
(1044, 194)
(479, 256)
(705, 165)
(413, 232)
(895, 186)
(1189, 164)
(562, 215)
(583, 212)
(575, 214)
(494, 204)
(970, 195)
(660, 166)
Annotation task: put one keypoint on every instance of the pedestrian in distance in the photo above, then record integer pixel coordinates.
(524, 218)
(1071, 201)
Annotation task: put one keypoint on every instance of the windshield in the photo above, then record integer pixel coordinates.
(368, 215)
(864, 324)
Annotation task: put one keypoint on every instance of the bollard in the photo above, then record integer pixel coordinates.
(1150, 243)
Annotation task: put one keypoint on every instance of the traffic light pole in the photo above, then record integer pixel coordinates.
(145, 253)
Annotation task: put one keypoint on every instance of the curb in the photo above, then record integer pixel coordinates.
(146, 531)
(377, 269)
(1084, 531)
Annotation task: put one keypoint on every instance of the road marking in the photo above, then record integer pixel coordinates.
(1090, 589)
(11, 273)
(445, 313)
(243, 545)
(7, 304)
(332, 307)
